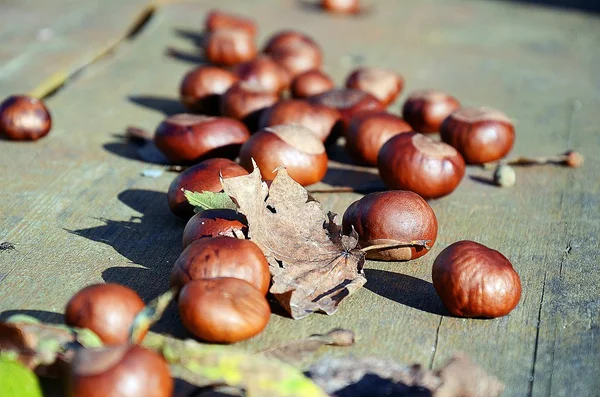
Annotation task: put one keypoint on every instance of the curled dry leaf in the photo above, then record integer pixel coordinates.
(312, 270)
(298, 350)
(376, 377)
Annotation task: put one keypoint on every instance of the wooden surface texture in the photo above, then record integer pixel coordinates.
(79, 212)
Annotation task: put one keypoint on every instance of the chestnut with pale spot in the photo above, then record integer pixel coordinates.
(426, 110)
(415, 162)
(309, 83)
(294, 51)
(481, 135)
(265, 73)
(213, 223)
(245, 101)
(24, 118)
(201, 89)
(228, 47)
(295, 147)
(218, 20)
(383, 84)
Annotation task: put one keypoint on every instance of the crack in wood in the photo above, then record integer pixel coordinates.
(537, 338)
(435, 344)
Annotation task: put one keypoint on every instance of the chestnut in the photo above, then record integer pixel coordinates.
(223, 310)
(201, 89)
(473, 280)
(369, 131)
(217, 20)
(228, 47)
(415, 162)
(222, 256)
(309, 83)
(106, 309)
(265, 73)
(481, 135)
(341, 6)
(293, 146)
(119, 371)
(213, 223)
(426, 110)
(396, 215)
(320, 119)
(348, 102)
(383, 84)
(24, 118)
(188, 138)
(295, 51)
(245, 101)
(201, 177)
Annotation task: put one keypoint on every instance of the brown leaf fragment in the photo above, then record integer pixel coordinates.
(311, 271)
(374, 377)
(297, 351)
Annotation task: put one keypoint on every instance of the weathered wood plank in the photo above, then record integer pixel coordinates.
(44, 42)
(79, 187)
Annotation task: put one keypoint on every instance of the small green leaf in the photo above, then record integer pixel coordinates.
(16, 380)
(208, 200)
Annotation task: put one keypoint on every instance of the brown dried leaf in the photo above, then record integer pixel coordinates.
(312, 271)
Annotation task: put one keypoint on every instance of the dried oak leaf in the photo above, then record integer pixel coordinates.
(312, 270)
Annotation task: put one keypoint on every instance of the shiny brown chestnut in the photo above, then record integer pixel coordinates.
(295, 51)
(217, 20)
(426, 110)
(214, 223)
(106, 309)
(201, 177)
(201, 89)
(223, 310)
(383, 84)
(396, 215)
(245, 101)
(24, 118)
(473, 280)
(320, 119)
(481, 135)
(188, 138)
(415, 162)
(293, 146)
(341, 6)
(119, 371)
(222, 256)
(265, 73)
(369, 131)
(348, 102)
(309, 83)
(228, 47)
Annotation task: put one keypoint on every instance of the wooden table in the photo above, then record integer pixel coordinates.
(78, 210)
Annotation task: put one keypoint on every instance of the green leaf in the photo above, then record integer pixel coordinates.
(208, 365)
(16, 380)
(209, 200)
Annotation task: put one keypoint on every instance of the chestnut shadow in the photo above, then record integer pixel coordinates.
(167, 106)
(152, 240)
(591, 6)
(407, 290)
(42, 315)
(196, 37)
(371, 385)
(360, 181)
(483, 180)
(142, 151)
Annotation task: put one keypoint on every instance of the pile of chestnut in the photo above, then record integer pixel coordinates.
(278, 107)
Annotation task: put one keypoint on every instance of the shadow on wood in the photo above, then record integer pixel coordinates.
(407, 290)
(592, 6)
(167, 106)
(143, 151)
(372, 385)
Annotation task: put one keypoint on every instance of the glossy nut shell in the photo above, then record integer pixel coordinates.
(201, 89)
(425, 111)
(198, 178)
(245, 102)
(383, 84)
(24, 118)
(119, 371)
(265, 73)
(295, 51)
(228, 47)
(473, 280)
(341, 6)
(223, 310)
(415, 162)
(321, 120)
(214, 223)
(106, 309)
(189, 138)
(217, 20)
(222, 257)
(293, 146)
(397, 215)
(368, 132)
(309, 83)
(481, 135)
